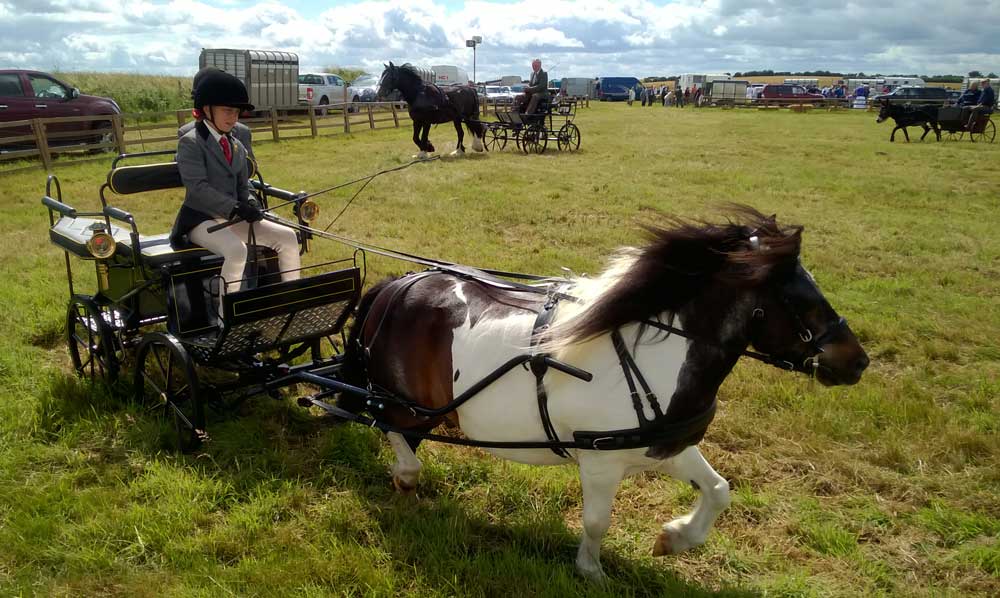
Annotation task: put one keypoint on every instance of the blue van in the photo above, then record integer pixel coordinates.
(615, 89)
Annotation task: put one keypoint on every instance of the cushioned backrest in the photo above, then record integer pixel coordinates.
(126, 180)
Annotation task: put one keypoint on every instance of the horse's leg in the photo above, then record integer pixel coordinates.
(460, 148)
(416, 140)
(599, 478)
(907, 135)
(692, 529)
(926, 131)
(477, 136)
(406, 469)
(892, 137)
(428, 146)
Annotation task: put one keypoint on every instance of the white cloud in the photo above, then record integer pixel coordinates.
(586, 37)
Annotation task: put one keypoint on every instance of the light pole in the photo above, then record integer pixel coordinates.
(472, 43)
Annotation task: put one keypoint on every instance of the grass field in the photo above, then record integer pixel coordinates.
(890, 487)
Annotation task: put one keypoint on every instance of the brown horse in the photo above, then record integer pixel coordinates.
(428, 337)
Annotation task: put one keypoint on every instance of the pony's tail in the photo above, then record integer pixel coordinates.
(354, 370)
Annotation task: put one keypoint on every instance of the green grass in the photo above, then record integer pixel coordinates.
(890, 487)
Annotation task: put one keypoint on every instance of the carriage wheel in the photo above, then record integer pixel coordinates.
(534, 139)
(496, 139)
(166, 381)
(569, 137)
(987, 135)
(91, 340)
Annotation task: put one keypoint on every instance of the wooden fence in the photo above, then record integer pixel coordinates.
(41, 140)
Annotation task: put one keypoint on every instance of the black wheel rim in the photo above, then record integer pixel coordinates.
(90, 342)
(569, 137)
(166, 384)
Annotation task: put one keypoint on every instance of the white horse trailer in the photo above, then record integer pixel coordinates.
(698, 81)
(446, 75)
(272, 78)
(727, 92)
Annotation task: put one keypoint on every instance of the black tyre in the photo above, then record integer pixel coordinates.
(569, 137)
(988, 134)
(534, 139)
(91, 340)
(495, 139)
(166, 381)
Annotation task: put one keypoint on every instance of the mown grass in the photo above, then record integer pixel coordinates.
(890, 487)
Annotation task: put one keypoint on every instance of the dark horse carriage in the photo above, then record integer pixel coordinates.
(618, 373)
(957, 122)
(552, 121)
(154, 306)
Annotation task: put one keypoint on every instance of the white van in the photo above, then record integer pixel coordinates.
(446, 75)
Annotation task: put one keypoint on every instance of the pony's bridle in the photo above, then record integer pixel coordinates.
(810, 364)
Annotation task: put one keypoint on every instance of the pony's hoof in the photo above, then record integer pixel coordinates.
(402, 487)
(477, 145)
(421, 156)
(457, 152)
(670, 541)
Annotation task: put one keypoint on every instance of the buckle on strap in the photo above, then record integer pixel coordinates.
(598, 444)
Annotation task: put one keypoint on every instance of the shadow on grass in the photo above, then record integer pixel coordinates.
(444, 540)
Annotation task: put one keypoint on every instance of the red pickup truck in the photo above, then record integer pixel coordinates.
(31, 94)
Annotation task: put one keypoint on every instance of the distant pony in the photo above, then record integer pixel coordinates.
(909, 116)
(430, 105)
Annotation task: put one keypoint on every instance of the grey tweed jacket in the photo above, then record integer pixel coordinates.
(240, 131)
(212, 185)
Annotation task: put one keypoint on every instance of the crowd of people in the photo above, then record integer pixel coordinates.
(666, 96)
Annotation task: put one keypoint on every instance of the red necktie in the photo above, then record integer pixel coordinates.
(226, 150)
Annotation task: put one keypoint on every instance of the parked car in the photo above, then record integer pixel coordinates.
(31, 94)
(907, 94)
(321, 89)
(788, 92)
(365, 89)
(499, 95)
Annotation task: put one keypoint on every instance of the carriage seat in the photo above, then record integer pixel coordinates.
(72, 235)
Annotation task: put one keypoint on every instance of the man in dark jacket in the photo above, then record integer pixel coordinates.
(538, 86)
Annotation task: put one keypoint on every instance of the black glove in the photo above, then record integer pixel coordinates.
(249, 210)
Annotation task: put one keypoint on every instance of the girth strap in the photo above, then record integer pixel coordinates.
(539, 367)
(630, 369)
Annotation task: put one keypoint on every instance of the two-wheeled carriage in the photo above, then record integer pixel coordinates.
(958, 122)
(158, 308)
(531, 133)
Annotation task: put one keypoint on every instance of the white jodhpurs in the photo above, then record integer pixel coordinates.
(231, 244)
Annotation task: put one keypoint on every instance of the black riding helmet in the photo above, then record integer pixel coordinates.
(213, 87)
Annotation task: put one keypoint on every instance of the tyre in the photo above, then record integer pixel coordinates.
(495, 139)
(166, 382)
(534, 139)
(988, 134)
(93, 346)
(569, 137)
(354, 108)
(322, 109)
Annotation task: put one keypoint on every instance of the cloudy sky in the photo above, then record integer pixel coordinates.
(584, 38)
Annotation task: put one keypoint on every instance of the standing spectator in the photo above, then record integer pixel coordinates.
(697, 97)
(679, 97)
(631, 95)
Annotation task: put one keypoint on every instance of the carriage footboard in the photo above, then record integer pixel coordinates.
(289, 312)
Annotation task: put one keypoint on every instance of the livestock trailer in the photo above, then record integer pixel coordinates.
(577, 87)
(727, 92)
(271, 77)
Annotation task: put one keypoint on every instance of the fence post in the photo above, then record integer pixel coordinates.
(42, 142)
(395, 115)
(371, 117)
(181, 118)
(118, 127)
(312, 120)
(274, 123)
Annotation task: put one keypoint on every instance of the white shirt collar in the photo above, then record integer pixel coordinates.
(211, 129)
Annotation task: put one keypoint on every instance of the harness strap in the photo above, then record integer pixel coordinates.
(630, 369)
(539, 367)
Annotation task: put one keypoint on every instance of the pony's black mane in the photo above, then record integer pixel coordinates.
(681, 261)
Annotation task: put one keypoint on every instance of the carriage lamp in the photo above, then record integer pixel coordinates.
(308, 211)
(101, 244)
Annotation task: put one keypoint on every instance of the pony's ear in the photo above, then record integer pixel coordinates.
(390, 63)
